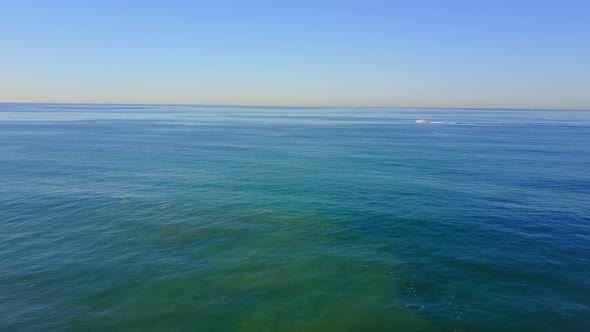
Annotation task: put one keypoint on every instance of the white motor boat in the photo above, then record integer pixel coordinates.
(421, 121)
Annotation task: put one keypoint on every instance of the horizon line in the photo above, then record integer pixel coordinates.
(296, 106)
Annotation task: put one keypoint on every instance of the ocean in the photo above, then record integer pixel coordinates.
(202, 218)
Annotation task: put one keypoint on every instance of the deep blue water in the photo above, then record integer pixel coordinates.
(293, 219)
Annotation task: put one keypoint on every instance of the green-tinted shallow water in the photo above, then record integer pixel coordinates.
(262, 219)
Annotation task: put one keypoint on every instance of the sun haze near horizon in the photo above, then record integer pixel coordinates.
(489, 54)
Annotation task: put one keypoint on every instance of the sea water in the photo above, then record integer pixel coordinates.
(200, 218)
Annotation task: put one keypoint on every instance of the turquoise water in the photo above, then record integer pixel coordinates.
(293, 219)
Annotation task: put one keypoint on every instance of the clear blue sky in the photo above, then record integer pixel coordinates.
(477, 53)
